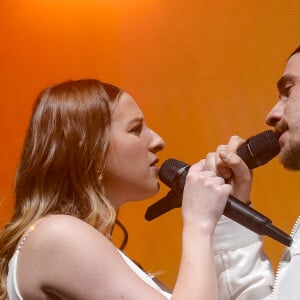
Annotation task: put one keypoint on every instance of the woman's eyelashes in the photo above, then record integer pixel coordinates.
(136, 129)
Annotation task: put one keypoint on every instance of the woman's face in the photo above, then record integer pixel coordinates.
(131, 172)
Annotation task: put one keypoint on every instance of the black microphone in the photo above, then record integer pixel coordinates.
(256, 151)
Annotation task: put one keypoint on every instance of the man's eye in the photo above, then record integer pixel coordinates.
(286, 91)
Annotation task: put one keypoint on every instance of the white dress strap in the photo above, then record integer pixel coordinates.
(144, 276)
(12, 285)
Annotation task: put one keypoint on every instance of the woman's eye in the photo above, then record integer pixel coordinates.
(136, 129)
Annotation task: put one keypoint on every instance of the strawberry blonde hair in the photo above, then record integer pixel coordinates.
(62, 159)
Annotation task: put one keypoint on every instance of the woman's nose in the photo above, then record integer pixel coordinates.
(157, 143)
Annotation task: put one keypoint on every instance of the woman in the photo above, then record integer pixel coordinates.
(88, 151)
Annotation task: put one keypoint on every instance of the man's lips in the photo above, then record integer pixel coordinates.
(281, 136)
(280, 129)
(279, 133)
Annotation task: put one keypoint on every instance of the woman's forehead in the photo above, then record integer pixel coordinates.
(126, 108)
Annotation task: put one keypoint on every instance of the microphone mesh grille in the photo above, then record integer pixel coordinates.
(259, 149)
(169, 169)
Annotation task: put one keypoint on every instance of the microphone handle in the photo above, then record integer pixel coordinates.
(170, 201)
(254, 220)
(234, 209)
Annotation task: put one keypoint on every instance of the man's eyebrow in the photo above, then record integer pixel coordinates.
(283, 80)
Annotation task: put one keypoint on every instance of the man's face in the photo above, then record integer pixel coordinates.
(285, 115)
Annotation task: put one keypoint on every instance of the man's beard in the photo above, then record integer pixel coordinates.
(290, 157)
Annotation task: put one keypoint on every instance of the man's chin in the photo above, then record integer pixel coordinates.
(290, 159)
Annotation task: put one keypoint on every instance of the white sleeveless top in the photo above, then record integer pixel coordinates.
(12, 285)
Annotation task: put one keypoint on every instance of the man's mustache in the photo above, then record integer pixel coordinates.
(281, 127)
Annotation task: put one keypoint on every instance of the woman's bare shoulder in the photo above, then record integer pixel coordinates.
(59, 232)
(60, 250)
(72, 260)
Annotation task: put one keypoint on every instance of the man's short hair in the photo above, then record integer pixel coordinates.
(295, 51)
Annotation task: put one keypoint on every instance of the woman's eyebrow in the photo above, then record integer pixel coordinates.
(137, 120)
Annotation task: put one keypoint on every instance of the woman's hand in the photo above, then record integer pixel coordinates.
(204, 197)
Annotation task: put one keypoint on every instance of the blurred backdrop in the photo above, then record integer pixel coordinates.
(200, 70)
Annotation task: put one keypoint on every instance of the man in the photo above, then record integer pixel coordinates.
(244, 272)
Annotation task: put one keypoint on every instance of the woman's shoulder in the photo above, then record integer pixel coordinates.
(55, 222)
(58, 248)
(62, 231)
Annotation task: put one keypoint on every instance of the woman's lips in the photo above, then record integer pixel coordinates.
(156, 169)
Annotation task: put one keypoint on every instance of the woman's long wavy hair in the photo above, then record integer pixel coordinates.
(63, 156)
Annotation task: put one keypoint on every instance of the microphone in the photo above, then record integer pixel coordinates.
(256, 151)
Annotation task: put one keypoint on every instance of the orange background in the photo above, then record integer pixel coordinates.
(200, 70)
